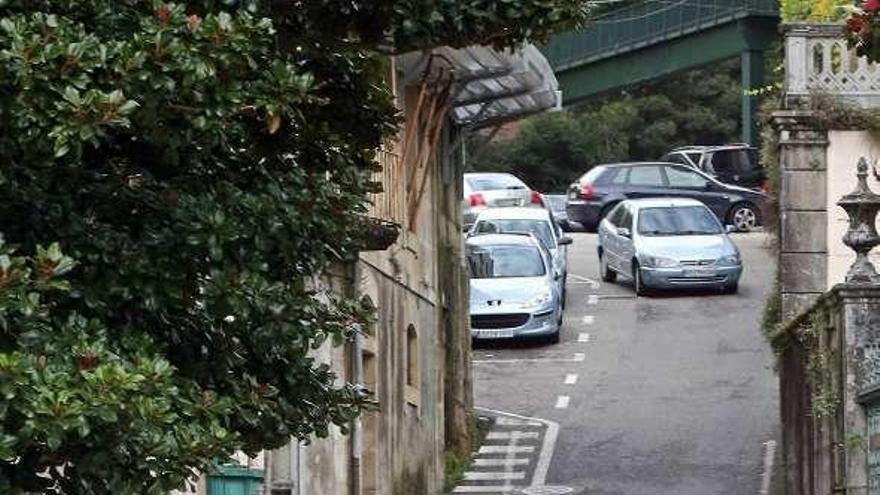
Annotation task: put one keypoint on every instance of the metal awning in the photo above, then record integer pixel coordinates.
(491, 86)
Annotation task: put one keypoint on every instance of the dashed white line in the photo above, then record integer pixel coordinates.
(579, 356)
(585, 280)
(588, 320)
(562, 401)
(593, 299)
(571, 379)
(584, 337)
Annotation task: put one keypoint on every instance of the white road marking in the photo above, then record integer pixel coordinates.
(506, 449)
(767, 473)
(493, 475)
(593, 299)
(516, 422)
(571, 379)
(484, 489)
(585, 280)
(500, 462)
(562, 401)
(588, 320)
(507, 435)
(539, 478)
(526, 360)
(584, 337)
(579, 356)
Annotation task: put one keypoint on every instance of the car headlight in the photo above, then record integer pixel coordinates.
(732, 260)
(660, 262)
(538, 301)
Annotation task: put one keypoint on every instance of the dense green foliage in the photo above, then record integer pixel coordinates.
(696, 107)
(204, 164)
(794, 11)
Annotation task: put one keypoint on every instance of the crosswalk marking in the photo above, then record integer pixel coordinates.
(579, 356)
(588, 320)
(508, 435)
(486, 489)
(571, 379)
(593, 299)
(480, 462)
(562, 401)
(516, 422)
(584, 337)
(506, 449)
(494, 475)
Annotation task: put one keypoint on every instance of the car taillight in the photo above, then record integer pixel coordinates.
(477, 199)
(588, 191)
(537, 199)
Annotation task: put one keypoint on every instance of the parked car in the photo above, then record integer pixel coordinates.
(488, 190)
(604, 186)
(535, 221)
(556, 204)
(514, 288)
(735, 164)
(667, 243)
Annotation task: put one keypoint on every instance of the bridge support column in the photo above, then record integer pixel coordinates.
(752, 62)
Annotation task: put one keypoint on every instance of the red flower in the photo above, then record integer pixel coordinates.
(856, 23)
(164, 13)
(871, 5)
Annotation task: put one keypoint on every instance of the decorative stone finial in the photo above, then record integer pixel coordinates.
(862, 206)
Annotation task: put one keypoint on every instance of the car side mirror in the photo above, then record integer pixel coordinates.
(729, 229)
(565, 241)
(624, 232)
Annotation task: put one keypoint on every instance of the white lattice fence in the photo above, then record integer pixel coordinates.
(817, 59)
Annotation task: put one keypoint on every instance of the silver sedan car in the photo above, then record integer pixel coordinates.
(491, 190)
(514, 289)
(667, 244)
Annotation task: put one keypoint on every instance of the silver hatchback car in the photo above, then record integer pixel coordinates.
(514, 288)
(667, 244)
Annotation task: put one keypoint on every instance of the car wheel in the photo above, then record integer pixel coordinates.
(608, 275)
(638, 283)
(744, 217)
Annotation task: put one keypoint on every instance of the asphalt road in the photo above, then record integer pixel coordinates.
(671, 394)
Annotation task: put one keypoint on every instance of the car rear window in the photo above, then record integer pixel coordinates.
(505, 262)
(678, 220)
(592, 176)
(735, 161)
(540, 228)
(495, 182)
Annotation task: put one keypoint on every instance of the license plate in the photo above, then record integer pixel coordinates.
(507, 202)
(493, 334)
(700, 272)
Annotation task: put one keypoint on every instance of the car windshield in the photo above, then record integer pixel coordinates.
(678, 220)
(505, 262)
(494, 182)
(540, 228)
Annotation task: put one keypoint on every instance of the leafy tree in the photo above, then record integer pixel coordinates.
(814, 10)
(640, 123)
(202, 165)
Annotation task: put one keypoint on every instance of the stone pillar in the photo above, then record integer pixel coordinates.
(859, 310)
(802, 208)
(752, 75)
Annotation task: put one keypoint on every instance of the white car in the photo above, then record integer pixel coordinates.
(537, 221)
(490, 190)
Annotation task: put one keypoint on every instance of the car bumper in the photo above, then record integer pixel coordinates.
(537, 325)
(586, 213)
(680, 278)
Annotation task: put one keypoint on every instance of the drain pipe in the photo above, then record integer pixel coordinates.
(357, 361)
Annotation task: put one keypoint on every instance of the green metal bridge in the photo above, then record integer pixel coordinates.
(652, 38)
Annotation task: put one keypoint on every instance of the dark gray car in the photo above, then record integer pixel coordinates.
(592, 196)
